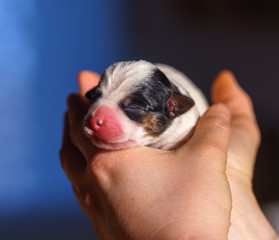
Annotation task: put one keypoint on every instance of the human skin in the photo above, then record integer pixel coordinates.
(247, 219)
(145, 193)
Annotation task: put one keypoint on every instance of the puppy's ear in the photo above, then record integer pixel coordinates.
(178, 104)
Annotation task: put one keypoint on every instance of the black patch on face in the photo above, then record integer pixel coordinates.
(94, 94)
(148, 103)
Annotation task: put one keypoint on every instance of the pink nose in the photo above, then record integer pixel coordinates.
(96, 123)
(105, 124)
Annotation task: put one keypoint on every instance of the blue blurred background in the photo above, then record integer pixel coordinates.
(44, 44)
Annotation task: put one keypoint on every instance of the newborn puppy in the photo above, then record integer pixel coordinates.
(138, 103)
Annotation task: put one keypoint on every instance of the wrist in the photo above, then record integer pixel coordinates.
(247, 219)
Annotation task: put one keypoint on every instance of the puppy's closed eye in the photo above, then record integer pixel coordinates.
(133, 110)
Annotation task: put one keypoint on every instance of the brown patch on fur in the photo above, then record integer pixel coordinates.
(152, 125)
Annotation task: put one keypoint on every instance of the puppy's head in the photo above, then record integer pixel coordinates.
(133, 105)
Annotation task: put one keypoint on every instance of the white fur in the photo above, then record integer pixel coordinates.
(121, 78)
(183, 124)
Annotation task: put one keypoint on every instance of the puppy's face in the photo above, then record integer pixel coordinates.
(133, 105)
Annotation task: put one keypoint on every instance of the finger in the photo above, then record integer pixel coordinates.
(66, 133)
(71, 159)
(78, 107)
(226, 90)
(245, 137)
(87, 80)
(211, 137)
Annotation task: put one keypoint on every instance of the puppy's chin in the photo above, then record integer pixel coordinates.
(98, 142)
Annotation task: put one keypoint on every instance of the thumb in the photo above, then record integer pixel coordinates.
(211, 137)
(87, 80)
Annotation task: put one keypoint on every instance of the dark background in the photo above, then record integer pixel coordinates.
(43, 45)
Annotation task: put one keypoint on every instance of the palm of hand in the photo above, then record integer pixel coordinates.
(142, 189)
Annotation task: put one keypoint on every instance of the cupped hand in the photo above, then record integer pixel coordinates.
(247, 219)
(145, 193)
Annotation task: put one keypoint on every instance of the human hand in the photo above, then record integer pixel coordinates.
(145, 193)
(247, 219)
